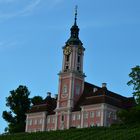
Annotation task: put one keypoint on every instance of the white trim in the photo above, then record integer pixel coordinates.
(26, 129)
(82, 118)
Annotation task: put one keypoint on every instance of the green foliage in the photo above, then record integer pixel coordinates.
(36, 100)
(135, 81)
(130, 116)
(95, 133)
(18, 103)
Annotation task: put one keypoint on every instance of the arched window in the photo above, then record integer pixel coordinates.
(62, 118)
(78, 59)
(64, 89)
(67, 58)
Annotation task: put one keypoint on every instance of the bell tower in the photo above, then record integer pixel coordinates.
(71, 77)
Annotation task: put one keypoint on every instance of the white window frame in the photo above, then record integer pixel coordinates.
(40, 121)
(85, 115)
(73, 117)
(98, 113)
(53, 119)
(78, 116)
(92, 114)
(48, 119)
(35, 121)
(30, 122)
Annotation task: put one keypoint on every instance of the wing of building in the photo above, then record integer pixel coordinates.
(78, 104)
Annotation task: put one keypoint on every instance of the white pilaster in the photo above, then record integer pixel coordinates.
(68, 119)
(102, 115)
(26, 129)
(43, 121)
(56, 120)
(82, 118)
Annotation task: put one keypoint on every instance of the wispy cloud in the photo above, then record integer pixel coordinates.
(27, 10)
(54, 3)
(4, 45)
(7, 1)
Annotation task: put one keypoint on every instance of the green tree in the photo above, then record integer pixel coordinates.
(36, 100)
(135, 82)
(18, 103)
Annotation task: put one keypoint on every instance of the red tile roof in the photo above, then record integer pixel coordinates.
(102, 95)
(48, 105)
(89, 97)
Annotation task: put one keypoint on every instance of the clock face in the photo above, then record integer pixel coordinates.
(67, 50)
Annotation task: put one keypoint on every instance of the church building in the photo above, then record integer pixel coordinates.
(78, 104)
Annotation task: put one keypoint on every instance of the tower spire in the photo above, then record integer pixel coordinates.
(76, 7)
(74, 37)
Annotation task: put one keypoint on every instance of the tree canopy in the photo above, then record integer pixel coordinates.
(132, 115)
(36, 100)
(135, 82)
(18, 103)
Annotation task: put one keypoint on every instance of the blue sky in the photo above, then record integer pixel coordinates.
(32, 33)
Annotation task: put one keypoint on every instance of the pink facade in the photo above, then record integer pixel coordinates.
(79, 104)
(89, 116)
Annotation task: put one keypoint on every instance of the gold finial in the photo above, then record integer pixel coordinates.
(76, 7)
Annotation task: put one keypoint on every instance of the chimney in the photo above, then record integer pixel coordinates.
(104, 85)
(49, 94)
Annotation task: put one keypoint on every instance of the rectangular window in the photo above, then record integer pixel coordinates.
(85, 115)
(109, 114)
(78, 117)
(53, 119)
(48, 119)
(73, 117)
(62, 118)
(35, 121)
(29, 122)
(40, 121)
(91, 114)
(97, 113)
(114, 115)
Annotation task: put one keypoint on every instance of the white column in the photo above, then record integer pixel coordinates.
(102, 115)
(68, 119)
(43, 121)
(56, 120)
(82, 118)
(63, 63)
(26, 129)
(59, 93)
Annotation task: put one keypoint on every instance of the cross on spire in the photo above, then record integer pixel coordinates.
(76, 7)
